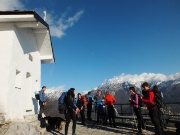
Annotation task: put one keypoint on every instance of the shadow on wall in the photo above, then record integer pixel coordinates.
(35, 103)
(26, 39)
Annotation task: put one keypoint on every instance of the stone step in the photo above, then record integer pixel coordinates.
(2, 119)
(4, 128)
(30, 118)
(36, 124)
(42, 131)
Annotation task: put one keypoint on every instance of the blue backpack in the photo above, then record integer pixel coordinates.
(61, 104)
(89, 98)
(75, 101)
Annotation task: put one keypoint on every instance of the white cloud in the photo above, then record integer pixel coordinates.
(11, 5)
(58, 26)
(149, 77)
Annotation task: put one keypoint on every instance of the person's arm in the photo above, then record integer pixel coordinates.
(41, 96)
(103, 97)
(82, 105)
(92, 99)
(150, 100)
(105, 100)
(114, 100)
(95, 100)
(75, 102)
(44, 97)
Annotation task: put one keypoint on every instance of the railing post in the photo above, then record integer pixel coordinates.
(121, 111)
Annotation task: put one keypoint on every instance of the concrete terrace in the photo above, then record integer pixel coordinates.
(125, 122)
(125, 128)
(93, 129)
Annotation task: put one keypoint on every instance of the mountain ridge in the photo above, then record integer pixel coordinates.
(124, 82)
(119, 87)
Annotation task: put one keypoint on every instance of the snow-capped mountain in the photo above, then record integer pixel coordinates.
(54, 93)
(122, 82)
(119, 87)
(136, 80)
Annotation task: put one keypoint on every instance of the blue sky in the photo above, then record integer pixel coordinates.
(94, 40)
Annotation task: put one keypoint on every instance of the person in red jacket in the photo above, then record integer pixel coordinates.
(148, 99)
(109, 100)
(80, 105)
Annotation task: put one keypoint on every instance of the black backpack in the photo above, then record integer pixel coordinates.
(158, 99)
(140, 103)
(37, 96)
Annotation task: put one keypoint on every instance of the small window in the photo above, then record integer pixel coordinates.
(18, 79)
(28, 75)
(17, 72)
(30, 57)
(37, 85)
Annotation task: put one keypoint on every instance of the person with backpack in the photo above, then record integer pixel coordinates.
(81, 106)
(75, 102)
(134, 100)
(148, 99)
(89, 105)
(98, 101)
(109, 100)
(42, 102)
(71, 111)
(158, 98)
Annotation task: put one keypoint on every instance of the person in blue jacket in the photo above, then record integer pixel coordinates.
(42, 101)
(90, 99)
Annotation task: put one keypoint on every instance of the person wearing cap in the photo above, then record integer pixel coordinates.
(42, 101)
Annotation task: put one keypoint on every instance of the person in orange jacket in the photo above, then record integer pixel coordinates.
(109, 100)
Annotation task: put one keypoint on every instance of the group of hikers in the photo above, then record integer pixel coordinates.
(77, 105)
(153, 101)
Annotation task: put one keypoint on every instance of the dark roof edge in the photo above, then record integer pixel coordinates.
(25, 12)
(52, 47)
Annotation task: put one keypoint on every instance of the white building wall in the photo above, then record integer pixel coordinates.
(5, 65)
(20, 88)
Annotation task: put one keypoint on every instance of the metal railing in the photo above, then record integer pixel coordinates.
(170, 109)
